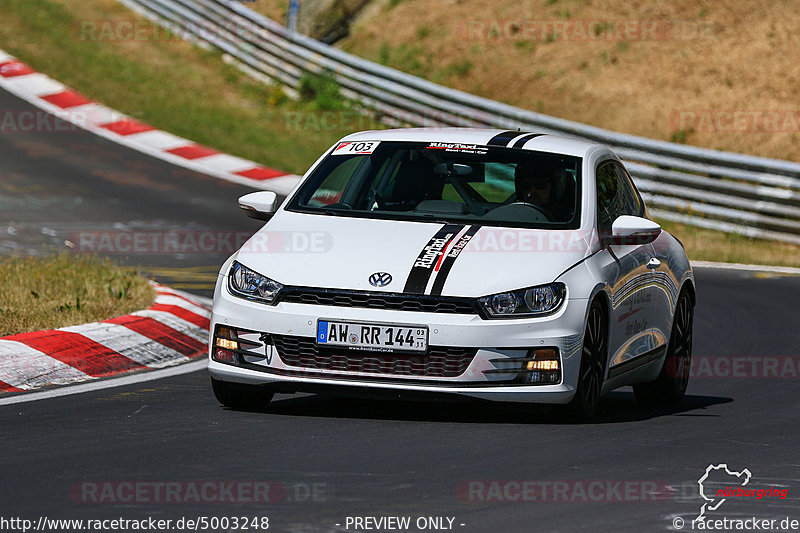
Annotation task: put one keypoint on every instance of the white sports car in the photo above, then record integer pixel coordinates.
(498, 265)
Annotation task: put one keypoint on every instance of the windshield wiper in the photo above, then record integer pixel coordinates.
(433, 218)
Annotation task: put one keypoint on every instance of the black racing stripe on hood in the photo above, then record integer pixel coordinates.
(450, 259)
(502, 139)
(427, 259)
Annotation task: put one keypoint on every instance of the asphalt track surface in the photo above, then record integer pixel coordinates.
(328, 458)
(61, 184)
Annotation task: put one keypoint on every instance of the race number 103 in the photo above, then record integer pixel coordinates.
(355, 147)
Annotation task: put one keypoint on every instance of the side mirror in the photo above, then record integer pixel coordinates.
(628, 229)
(259, 205)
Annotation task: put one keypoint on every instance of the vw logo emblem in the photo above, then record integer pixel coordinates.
(380, 279)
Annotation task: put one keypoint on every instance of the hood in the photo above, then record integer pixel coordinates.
(423, 258)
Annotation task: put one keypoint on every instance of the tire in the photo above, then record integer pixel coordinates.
(590, 378)
(241, 396)
(670, 385)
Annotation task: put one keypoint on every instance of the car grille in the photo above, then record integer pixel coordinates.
(440, 361)
(379, 300)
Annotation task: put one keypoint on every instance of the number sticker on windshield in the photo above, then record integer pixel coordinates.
(356, 147)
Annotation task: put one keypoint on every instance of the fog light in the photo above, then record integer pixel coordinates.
(544, 368)
(227, 344)
(542, 365)
(224, 356)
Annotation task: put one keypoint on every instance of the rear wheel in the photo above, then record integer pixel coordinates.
(590, 379)
(670, 386)
(240, 396)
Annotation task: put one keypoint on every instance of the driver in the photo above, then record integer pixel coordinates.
(533, 183)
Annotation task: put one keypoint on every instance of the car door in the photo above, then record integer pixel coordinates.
(626, 271)
(662, 290)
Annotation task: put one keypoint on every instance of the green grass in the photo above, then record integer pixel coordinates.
(459, 68)
(527, 45)
(321, 93)
(411, 58)
(681, 136)
(162, 80)
(423, 31)
(65, 289)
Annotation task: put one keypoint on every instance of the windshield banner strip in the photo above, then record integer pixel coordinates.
(428, 258)
(450, 258)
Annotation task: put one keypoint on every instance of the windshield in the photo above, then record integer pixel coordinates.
(445, 182)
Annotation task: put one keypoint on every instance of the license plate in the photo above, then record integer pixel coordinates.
(374, 337)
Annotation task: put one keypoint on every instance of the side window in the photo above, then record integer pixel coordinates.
(631, 202)
(608, 198)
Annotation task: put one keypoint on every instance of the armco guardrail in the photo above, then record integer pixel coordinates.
(725, 191)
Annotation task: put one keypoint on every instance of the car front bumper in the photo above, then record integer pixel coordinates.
(491, 340)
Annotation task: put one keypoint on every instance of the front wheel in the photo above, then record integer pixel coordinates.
(670, 386)
(240, 396)
(590, 379)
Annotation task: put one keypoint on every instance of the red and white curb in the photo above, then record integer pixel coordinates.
(172, 331)
(57, 99)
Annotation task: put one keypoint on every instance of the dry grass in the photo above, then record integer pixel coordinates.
(706, 245)
(64, 289)
(722, 56)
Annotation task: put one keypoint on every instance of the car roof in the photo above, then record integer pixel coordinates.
(532, 140)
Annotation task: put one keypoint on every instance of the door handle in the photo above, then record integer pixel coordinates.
(653, 263)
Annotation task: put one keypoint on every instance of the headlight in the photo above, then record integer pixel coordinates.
(251, 285)
(535, 301)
